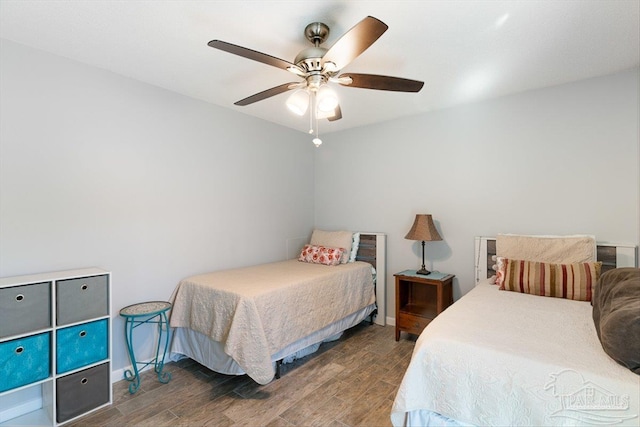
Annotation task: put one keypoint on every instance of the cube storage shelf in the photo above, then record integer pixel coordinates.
(55, 346)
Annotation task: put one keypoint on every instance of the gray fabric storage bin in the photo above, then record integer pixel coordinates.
(25, 308)
(81, 392)
(81, 299)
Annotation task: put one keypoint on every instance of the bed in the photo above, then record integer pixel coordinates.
(497, 357)
(251, 320)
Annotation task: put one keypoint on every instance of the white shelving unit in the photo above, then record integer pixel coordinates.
(55, 346)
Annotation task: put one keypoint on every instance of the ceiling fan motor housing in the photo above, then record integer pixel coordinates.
(310, 59)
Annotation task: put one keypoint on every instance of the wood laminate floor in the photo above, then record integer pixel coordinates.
(348, 382)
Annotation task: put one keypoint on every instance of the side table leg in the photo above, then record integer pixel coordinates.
(134, 377)
(163, 326)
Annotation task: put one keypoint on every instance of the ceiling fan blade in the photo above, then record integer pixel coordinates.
(354, 42)
(374, 81)
(267, 93)
(254, 55)
(337, 114)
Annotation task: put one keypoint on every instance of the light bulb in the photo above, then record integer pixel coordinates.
(317, 141)
(298, 102)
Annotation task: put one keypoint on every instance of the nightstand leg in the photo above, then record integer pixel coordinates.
(397, 333)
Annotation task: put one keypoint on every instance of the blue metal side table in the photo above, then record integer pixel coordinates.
(140, 314)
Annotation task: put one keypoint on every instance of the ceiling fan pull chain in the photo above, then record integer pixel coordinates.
(317, 130)
(313, 120)
(316, 141)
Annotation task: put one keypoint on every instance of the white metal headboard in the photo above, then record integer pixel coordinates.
(617, 255)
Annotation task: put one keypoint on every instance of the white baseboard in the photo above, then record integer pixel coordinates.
(118, 374)
(391, 321)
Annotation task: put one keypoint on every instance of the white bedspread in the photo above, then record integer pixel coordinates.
(257, 311)
(504, 358)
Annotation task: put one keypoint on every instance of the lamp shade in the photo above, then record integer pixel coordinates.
(298, 102)
(327, 99)
(423, 229)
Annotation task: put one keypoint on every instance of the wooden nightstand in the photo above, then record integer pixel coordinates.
(419, 299)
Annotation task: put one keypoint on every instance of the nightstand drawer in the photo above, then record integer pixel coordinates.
(411, 323)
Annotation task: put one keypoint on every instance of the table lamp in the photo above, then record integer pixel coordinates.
(423, 229)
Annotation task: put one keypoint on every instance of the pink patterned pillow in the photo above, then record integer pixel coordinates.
(321, 255)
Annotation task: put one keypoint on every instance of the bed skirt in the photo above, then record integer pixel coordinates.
(202, 349)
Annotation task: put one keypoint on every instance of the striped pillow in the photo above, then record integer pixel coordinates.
(570, 281)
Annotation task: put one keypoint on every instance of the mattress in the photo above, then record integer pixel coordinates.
(258, 311)
(505, 358)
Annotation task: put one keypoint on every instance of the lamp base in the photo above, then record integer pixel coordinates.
(423, 271)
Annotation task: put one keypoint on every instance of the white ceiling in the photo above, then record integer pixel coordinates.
(464, 51)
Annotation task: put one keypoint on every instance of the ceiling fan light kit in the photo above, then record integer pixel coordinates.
(318, 67)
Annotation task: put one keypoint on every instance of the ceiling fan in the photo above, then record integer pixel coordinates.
(318, 66)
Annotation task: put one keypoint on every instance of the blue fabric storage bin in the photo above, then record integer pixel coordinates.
(81, 345)
(24, 361)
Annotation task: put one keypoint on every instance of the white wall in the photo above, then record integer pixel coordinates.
(562, 160)
(100, 170)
